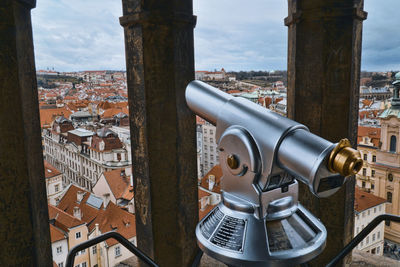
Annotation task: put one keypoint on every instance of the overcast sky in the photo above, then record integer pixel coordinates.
(73, 35)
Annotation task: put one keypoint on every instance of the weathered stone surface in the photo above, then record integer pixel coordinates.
(24, 228)
(160, 63)
(324, 55)
(364, 259)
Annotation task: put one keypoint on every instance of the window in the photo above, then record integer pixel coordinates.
(362, 243)
(375, 210)
(373, 251)
(56, 187)
(77, 235)
(363, 184)
(373, 237)
(373, 158)
(393, 141)
(211, 140)
(84, 264)
(59, 249)
(211, 148)
(390, 177)
(117, 251)
(211, 131)
(205, 139)
(364, 171)
(363, 215)
(379, 235)
(94, 250)
(378, 249)
(389, 197)
(205, 147)
(387, 223)
(365, 156)
(372, 173)
(372, 186)
(380, 208)
(367, 240)
(61, 264)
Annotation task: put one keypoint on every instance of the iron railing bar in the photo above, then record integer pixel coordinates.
(122, 240)
(358, 238)
(197, 259)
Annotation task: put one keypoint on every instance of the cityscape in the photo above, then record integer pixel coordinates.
(86, 146)
(199, 133)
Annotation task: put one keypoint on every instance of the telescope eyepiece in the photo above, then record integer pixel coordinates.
(344, 159)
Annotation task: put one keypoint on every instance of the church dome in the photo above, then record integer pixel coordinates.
(396, 78)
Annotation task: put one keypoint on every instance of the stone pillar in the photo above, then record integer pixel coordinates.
(24, 227)
(160, 63)
(324, 52)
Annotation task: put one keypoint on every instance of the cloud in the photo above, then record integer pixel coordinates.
(234, 34)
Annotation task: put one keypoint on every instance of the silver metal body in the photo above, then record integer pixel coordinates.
(260, 194)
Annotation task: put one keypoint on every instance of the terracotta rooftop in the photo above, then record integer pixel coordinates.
(47, 116)
(364, 200)
(110, 218)
(217, 172)
(50, 170)
(373, 133)
(120, 185)
(63, 220)
(56, 234)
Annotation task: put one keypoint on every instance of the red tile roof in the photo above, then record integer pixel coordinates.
(50, 170)
(63, 220)
(110, 218)
(56, 234)
(373, 133)
(217, 172)
(47, 116)
(120, 185)
(364, 200)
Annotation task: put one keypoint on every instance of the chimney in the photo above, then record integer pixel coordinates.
(211, 182)
(79, 196)
(77, 213)
(106, 200)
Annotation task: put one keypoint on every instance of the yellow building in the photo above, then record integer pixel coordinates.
(381, 176)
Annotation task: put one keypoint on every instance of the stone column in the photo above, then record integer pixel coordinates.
(324, 52)
(24, 226)
(160, 63)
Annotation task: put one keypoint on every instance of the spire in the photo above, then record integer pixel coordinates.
(396, 99)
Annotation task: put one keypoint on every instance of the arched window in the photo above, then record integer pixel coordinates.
(393, 142)
(389, 197)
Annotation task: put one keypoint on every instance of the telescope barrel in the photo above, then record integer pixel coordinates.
(205, 100)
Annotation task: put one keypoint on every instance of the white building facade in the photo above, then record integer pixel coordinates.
(368, 207)
(82, 155)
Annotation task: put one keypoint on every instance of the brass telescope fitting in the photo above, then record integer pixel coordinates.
(344, 159)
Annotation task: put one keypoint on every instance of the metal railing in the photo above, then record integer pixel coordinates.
(132, 248)
(125, 242)
(358, 238)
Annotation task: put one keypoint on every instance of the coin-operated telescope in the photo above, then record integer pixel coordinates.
(259, 221)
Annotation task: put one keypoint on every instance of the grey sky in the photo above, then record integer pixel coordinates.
(72, 35)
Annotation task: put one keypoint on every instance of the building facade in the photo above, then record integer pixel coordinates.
(381, 171)
(367, 207)
(82, 155)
